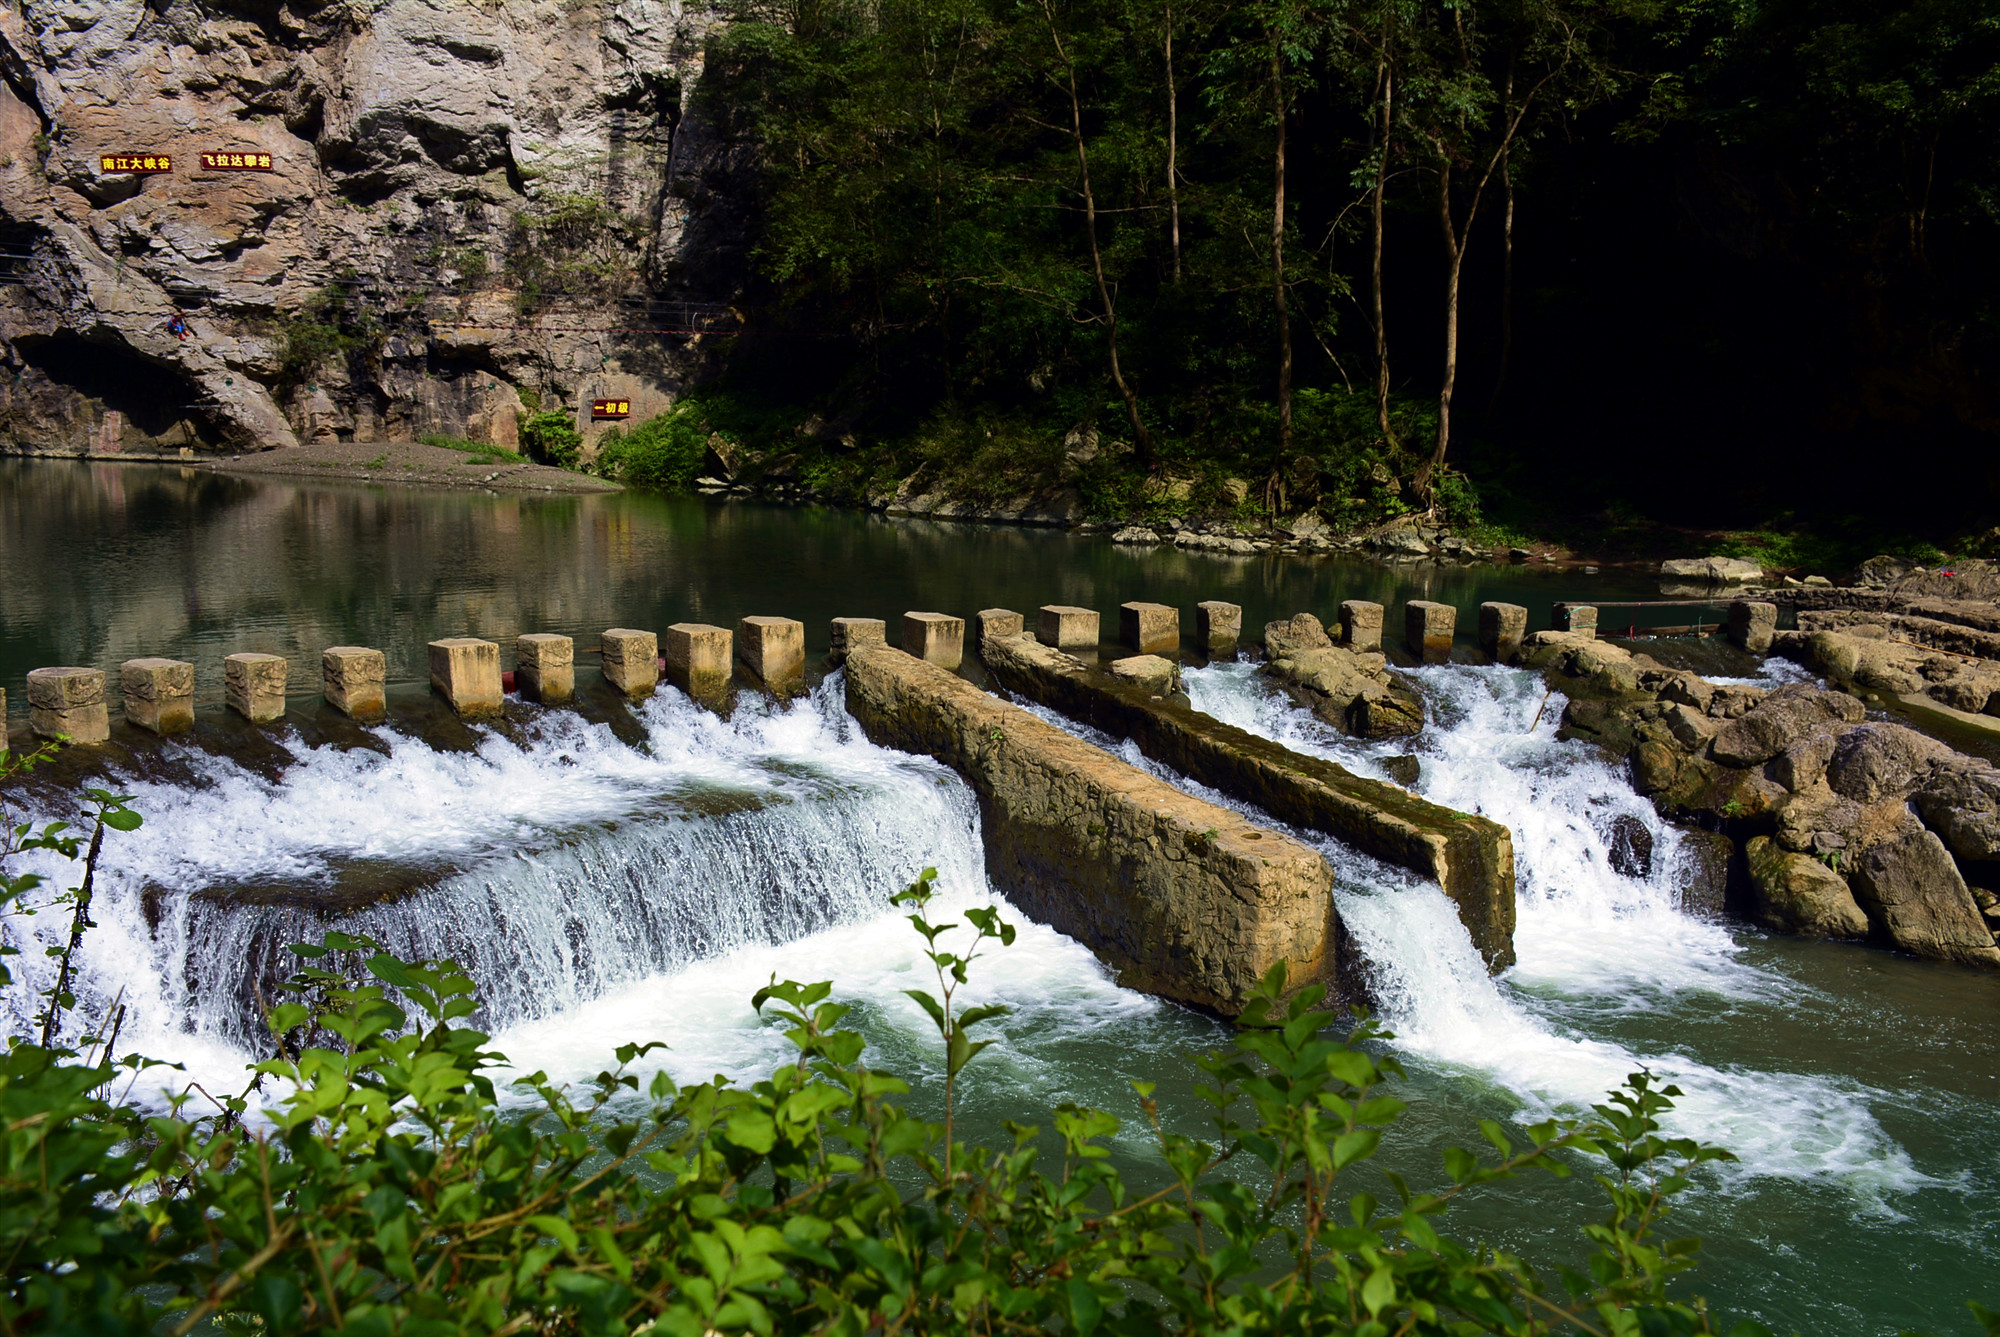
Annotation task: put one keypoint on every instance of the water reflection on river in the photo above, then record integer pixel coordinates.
(103, 562)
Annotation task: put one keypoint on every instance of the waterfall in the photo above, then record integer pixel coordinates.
(1596, 945)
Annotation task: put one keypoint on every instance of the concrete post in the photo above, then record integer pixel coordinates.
(1066, 627)
(352, 678)
(68, 701)
(1361, 626)
(774, 650)
(1427, 630)
(1502, 628)
(936, 637)
(1218, 626)
(849, 634)
(466, 671)
(631, 660)
(1149, 629)
(698, 658)
(1752, 624)
(998, 624)
(1580, 619)
(159, 694)
(254, 686)
(545, 667)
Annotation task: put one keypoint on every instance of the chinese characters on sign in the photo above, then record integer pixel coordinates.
(236, 162)
(116, 164)
(610, 408)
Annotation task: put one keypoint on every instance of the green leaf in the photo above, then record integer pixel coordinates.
(1085, 1309)
(123, 819)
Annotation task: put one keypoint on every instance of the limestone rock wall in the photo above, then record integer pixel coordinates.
(408, 139)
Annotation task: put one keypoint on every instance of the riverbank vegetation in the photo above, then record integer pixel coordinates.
(1703, 261)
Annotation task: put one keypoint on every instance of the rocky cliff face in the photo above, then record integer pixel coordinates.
(467, 200)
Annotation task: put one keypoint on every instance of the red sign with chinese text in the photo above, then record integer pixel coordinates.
(133, 164)
(236, 162)
(610, 408)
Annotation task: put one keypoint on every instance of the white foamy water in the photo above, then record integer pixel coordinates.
(1591, 942)
(581, 880)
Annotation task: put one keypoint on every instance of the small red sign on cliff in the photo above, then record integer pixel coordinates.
(610, 408)
(133, 164)
(236, 162)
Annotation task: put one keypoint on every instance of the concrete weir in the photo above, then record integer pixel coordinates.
(1185, 899)
(1471, 858)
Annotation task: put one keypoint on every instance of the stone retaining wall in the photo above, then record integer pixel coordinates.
(1185, 899)
(1472, 858)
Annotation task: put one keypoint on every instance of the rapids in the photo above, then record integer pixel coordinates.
(605, 892)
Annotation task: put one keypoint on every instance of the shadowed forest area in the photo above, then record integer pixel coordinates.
(1571, 266)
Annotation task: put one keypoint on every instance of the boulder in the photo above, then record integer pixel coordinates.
(1701, 871)
(1135, 534)
(1781, 719)
(1796, 893)
(1878, 572)
(1630, 844)
(1913, 893)
(1963, 807)
(1803, 764)
(1303, 631)
(1711, 570)
(1872, 760)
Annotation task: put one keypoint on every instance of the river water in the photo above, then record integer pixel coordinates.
(639, 882)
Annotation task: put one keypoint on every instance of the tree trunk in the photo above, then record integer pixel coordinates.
(1454, 245)
(1274, 487)
(1173, 148)
(1387, 77)
(1144, 439)
(1506, 282)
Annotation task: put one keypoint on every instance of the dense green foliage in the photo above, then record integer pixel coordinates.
(1733, 231)
(550, 435)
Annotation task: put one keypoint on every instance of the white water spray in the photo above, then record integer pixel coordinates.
(1592, 941)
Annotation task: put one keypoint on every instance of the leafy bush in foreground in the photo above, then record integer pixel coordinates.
(387, 1190)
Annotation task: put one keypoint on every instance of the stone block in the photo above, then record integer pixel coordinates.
(849, 634)
(1361, 626)
(545, 667)
(1428, 628)
(1218, 626)
(254, 686)
(773, 649)
(1502, 627)
(998, 623)
(1578, 618)
(1157, 674)
(699, 658)
(936, 637)
(70, 701)
(1066, 627)
(159, 694)
(466, 672)
(353, 678)
(1752, 625)
(631, 660)
(1149, 629)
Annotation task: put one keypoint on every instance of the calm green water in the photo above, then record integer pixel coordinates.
(1862, 1089)
(104, 562)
